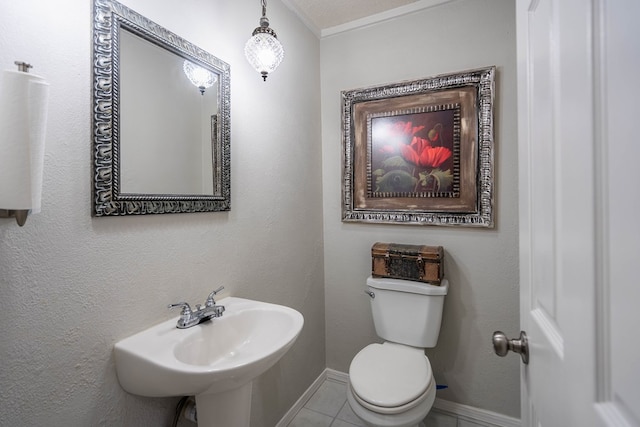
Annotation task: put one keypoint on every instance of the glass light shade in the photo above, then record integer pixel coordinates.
(264, 52)
(201, 78)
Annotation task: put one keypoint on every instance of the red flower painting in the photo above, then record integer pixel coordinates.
(412, 153)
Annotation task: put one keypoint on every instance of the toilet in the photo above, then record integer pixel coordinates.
(391, 384)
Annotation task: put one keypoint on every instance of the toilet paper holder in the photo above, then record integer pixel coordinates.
(19, 214)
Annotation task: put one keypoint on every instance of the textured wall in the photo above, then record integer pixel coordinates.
(71, 285)
(482, 265)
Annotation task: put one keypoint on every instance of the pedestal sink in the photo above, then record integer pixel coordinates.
(215, 361)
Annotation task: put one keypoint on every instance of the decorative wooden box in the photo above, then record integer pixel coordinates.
(409, 262)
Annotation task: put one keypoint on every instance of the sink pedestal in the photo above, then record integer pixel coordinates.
(227, 408)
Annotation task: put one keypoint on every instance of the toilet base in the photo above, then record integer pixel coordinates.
(412, 418)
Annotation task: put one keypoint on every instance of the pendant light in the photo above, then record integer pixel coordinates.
(263, 50)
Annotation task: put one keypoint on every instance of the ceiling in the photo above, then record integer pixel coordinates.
(322, 14)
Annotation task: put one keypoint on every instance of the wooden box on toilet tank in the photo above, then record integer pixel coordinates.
(410, 262)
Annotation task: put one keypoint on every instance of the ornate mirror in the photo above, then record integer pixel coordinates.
(161, 113)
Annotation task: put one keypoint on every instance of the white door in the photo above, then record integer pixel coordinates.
(579, 188)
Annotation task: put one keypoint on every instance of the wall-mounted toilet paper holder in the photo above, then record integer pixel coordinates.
(20, 214)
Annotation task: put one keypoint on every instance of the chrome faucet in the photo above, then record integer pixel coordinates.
(189, 317)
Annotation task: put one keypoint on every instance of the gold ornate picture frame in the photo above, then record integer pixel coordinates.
(420, 152)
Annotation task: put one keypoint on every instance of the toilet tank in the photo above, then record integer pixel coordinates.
(407, 312)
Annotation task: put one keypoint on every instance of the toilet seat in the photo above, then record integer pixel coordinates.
(390, 378)
(395, 410)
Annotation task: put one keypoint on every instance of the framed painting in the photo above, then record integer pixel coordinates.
(420, 152)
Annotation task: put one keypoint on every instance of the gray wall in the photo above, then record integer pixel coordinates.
(72, 285)
(482, 265)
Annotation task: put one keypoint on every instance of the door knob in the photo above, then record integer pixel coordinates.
(502, 345)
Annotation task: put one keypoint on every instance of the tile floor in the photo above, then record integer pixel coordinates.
(328, 407)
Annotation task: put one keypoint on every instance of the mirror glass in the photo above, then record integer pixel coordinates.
(165, 122)
(161, 140)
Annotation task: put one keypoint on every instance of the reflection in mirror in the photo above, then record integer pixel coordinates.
(161, 119)
(154, 89)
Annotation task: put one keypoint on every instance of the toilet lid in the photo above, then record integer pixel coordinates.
(390, 375)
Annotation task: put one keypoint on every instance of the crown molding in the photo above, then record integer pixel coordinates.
(362, 22)
(381, 17)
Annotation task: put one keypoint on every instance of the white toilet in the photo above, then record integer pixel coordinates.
(391, 384)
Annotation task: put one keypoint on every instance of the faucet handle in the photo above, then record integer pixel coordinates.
(186, 309)
(210, 301)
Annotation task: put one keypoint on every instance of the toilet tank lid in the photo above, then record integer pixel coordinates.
(409, 286)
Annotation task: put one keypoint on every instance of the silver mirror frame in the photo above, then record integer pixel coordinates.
(109, 17)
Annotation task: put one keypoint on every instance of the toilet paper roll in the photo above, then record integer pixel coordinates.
(23, 120)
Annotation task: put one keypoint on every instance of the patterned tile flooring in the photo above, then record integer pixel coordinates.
(328, 407)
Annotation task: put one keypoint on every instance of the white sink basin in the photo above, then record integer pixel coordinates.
(213, 357)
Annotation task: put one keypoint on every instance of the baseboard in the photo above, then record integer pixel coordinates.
(291, 413)
(337, 376)
(475, 415)
(468, 413)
